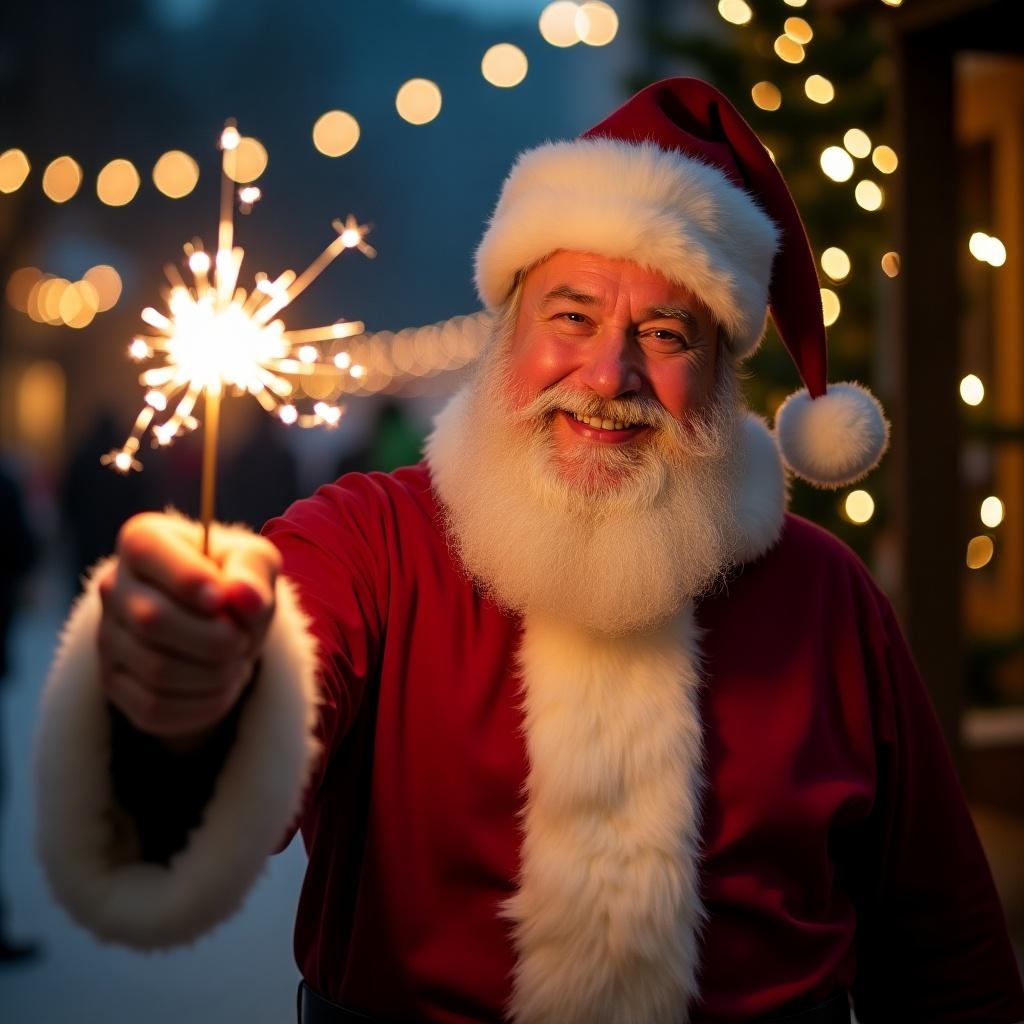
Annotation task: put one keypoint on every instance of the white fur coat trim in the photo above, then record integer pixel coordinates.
(80, 838)
(606, 916)
(664, 211)
(761, 497)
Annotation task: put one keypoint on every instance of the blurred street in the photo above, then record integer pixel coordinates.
(243, 972)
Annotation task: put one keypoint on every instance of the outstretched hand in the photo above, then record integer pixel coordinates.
(181, 631)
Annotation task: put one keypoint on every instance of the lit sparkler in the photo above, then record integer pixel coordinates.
(215, 335)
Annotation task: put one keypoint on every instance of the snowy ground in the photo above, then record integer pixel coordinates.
(244, 971)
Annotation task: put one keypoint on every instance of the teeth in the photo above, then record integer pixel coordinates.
(600, 423)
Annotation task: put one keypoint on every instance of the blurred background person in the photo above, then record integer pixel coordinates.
(18, 554)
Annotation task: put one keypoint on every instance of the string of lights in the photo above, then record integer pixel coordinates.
(839, 163)
(418, 101)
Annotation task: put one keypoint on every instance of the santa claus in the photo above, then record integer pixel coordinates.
(577, 722)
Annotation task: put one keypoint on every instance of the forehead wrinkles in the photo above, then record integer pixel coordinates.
(610, 285)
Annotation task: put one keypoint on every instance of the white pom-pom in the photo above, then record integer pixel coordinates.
(833, 440)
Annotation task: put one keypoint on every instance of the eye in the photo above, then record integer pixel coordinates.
(664, 339)
(572, 316)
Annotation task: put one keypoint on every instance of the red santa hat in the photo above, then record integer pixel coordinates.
(676, 181)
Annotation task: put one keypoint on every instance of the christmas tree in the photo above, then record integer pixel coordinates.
(813, 85)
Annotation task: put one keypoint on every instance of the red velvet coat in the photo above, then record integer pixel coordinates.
(836, 850)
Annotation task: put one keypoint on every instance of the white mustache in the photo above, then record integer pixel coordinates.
(636, 410)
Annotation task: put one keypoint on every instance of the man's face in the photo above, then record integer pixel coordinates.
(606, 331)
(609, 525)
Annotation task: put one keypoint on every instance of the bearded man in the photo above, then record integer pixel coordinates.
(578, 724)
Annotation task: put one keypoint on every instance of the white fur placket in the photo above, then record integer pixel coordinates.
(606, 917)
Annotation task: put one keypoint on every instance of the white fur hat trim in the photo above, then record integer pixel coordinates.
(833, 440)
(663, 211)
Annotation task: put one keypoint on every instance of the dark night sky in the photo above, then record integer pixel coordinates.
(109, 79)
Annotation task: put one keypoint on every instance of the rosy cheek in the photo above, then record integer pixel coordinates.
(541, 363)
(680, 395)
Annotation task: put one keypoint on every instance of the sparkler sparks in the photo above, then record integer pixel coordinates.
(216, 335)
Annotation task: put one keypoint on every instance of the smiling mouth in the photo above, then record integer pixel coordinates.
(600, 428)
(602, 423)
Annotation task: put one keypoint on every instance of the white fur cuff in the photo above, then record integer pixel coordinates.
(255, 799)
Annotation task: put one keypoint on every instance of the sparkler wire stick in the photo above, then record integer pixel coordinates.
(208, 492)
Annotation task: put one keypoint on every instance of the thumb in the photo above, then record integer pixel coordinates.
(249, 570)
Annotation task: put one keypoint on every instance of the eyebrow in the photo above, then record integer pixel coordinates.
(564, 291)
(669, 313)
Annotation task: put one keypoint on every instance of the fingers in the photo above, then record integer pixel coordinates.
(163, 695)
(180, 630)
(249, 571)
(161, 624)
(165, 552)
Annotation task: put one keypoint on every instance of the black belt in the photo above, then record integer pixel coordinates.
(314, 1009)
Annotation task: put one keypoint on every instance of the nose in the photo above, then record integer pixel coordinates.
(612, 368)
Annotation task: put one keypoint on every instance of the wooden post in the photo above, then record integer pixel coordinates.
(925, 414)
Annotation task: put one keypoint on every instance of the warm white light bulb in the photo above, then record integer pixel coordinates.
(972, 391)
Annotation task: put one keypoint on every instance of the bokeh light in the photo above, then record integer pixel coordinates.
(117, 183)
(335, 133)
(830, 306)
(175, 174)
(249, 162)
(837, 163)
(819, 89)
(20, 284)
(736, 12)
(40, 404)
(868, 195)
(987, 249)
(789, 50)
(62, 179)
(596, 23)
(836, 263)
(978, 246)
(857, 142)
(972, 391)
(798, 30)
(992, 511)
(891, 264)
(979, 552)
(766, 96)
(107, 282)
(78, 304)
(32, 300)
(14, 168)
(558, 23)
(859, 506)
(885, 159)
(51, 291)
(504, 65)
(418, 101)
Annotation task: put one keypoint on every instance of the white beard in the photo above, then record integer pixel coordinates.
(615, 542)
